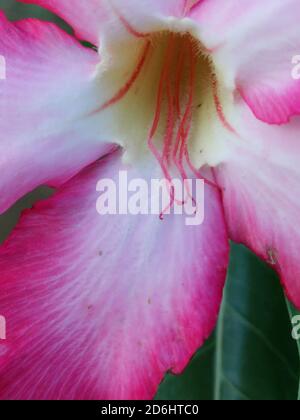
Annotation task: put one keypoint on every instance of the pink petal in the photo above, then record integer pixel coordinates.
(85, 17)
(261, 181)
(254, 46)
(47, 135)
(89, 17)
(101, 307)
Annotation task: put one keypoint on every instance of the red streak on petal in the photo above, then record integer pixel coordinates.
(125, 89)
(219, 107)
(160, 92)
(128, 26)
(189, 5)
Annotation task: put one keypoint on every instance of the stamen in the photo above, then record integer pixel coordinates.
(155, 124)
(158, 110)
(184, 121)
(163, 77)
(188, 110)
(182, 134)
(175, 105)
(168, 140)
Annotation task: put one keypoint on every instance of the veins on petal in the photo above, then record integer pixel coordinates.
(164, 78)
(125, 89)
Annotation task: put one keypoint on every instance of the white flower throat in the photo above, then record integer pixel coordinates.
(163, 91)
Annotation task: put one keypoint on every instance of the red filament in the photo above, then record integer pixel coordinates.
(174, 109)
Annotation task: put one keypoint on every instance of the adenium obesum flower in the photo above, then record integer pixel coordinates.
(102, 307)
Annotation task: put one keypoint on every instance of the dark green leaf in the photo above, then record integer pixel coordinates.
(255, 357)
(196, 383)
(295, 320)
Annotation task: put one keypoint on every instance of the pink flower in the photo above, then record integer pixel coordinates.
(101, 307)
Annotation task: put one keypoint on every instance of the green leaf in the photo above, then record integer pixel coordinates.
(196, 383)
(9, 219)
(252, 355)
(16, 11)
(256, 357)
(295, 320)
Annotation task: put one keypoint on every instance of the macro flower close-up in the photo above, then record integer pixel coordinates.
(102, 298)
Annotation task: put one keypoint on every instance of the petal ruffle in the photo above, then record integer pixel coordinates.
(47, 135)
(254, 44)
(100, 307)
(261, 179)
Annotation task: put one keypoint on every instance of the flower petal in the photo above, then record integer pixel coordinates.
(254, 47)
(85, 17)
(90, 16)
(100, 307)
(261, 179)
(47, 135)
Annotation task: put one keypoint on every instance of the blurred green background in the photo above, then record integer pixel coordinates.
(251, 355)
